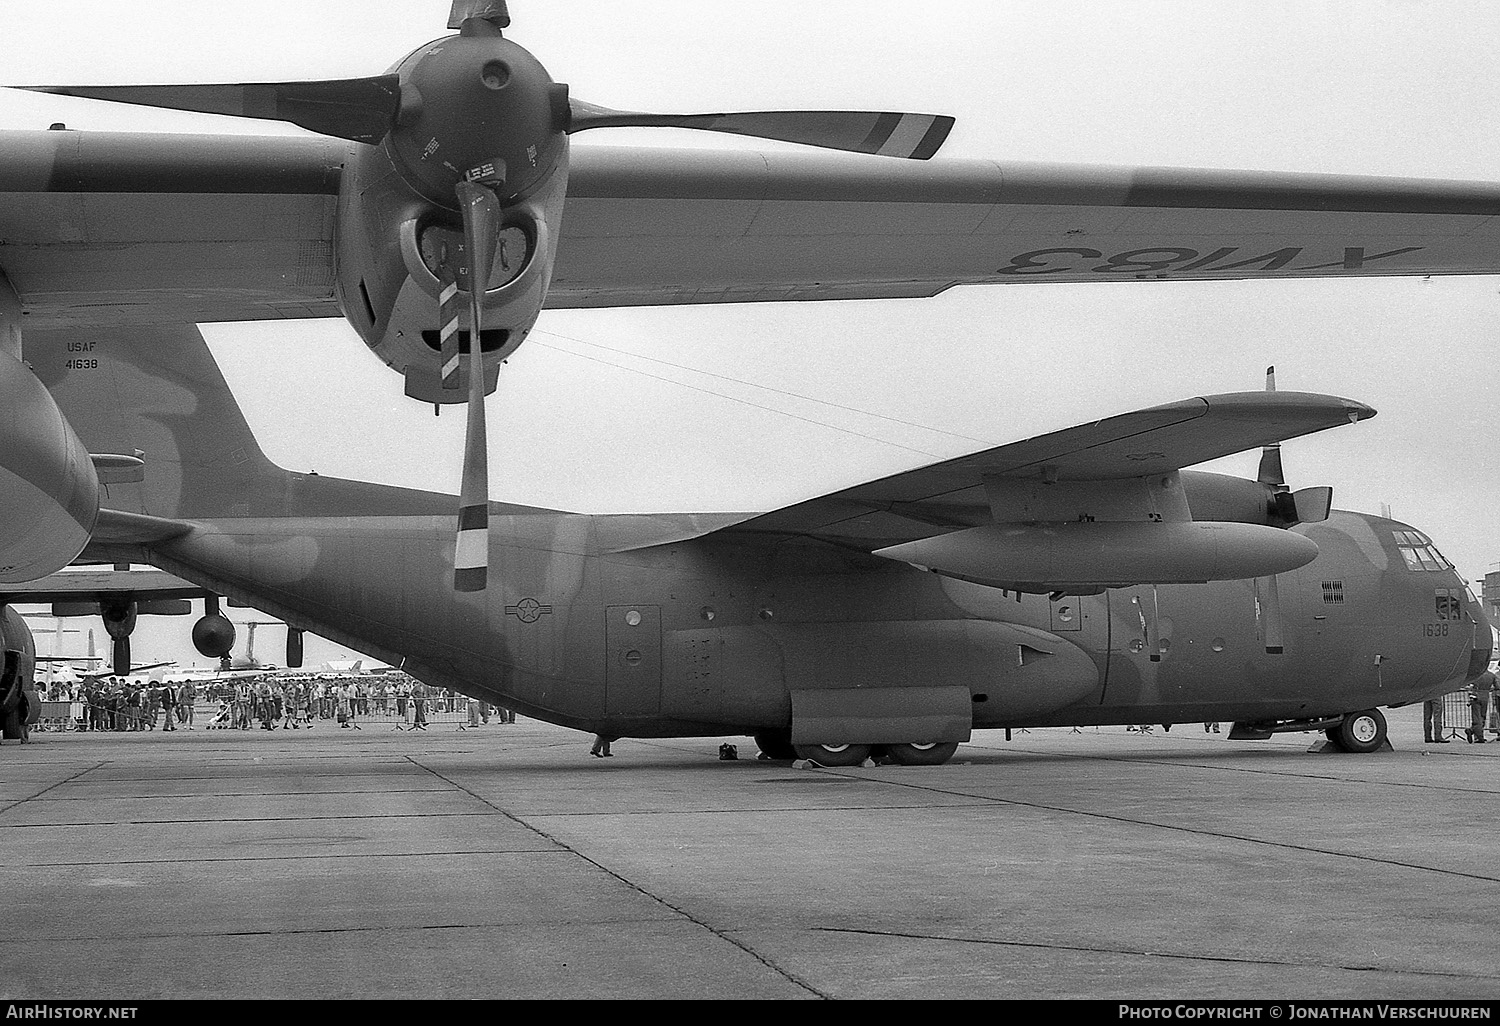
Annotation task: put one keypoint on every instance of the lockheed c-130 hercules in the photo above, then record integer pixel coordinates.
(1083, 576)
(998, 589)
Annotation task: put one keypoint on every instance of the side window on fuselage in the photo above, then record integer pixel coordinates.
(1419, 553)
(1450, 604)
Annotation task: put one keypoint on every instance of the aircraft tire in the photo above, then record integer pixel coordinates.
(834, 755)
(776, 743)
(1360, 732)
(933, 754)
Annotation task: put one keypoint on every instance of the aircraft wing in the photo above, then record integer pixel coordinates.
(953, 494)
(113, 228)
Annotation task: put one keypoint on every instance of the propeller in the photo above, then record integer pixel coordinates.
(1285, 509)
(476, 131)
(463, 101)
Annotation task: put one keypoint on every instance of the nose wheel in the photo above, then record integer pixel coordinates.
(1359, 732)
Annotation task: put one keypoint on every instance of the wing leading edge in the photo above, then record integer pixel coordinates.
(1119, 469)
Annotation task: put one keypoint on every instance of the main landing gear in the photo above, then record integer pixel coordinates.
(777, 744)
(1359, 732)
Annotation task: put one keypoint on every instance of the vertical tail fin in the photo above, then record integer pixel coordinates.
(156, 389)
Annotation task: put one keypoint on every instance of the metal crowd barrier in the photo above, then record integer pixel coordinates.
(1456, 715)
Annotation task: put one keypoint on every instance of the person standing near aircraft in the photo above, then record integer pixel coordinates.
(419, 706)
(153, 703)
(1480, 693)
(189, 698)
(1432, 721)
(133, 709)
(169, 706)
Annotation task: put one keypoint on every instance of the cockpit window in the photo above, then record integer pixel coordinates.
(1419, 552)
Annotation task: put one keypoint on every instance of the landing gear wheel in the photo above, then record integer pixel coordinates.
(834, 755)
(1360, 731)
(931, 754)
(776, 743)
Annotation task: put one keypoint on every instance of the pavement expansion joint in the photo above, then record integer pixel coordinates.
(639, 889)
(343, 856)
(1197, 831)
(31, 798)
(159, 796)
(978, 803)
(1179, 763)
(1145, 953)
(381, 817)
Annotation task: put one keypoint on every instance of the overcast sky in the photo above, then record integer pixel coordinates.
(754, 407)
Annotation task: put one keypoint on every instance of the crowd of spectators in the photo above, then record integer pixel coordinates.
(267, 701)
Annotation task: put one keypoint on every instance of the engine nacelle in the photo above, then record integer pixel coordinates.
(389, 240)
(17, 674)
(213, 635)
(49, 490)
(1222, 498)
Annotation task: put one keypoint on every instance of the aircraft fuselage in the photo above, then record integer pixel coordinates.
(610, 624)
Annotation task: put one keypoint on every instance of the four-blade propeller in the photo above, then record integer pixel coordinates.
(475, 126)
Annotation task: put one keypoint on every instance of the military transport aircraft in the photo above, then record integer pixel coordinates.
(454, 168)
(1078, 577)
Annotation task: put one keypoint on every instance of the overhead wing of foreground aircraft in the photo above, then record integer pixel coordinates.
(1058, 591)
(457, 167)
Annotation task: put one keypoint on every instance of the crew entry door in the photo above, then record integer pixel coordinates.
(632, 677)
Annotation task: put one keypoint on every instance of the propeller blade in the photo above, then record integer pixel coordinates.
(293, 647)
(481, 214)
(450, 303)
(122, 656)
(360, 109)
(1313, 505)
(914, 136)
(1270, 615)
(1270, 472)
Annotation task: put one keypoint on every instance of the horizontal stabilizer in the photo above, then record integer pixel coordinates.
(116, 527)
(87, 586)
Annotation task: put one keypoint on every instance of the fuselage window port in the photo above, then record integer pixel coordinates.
(1333, 593)
(1450, 604)
(1419, 552)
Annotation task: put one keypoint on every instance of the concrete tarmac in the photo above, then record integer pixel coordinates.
(504, 862)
